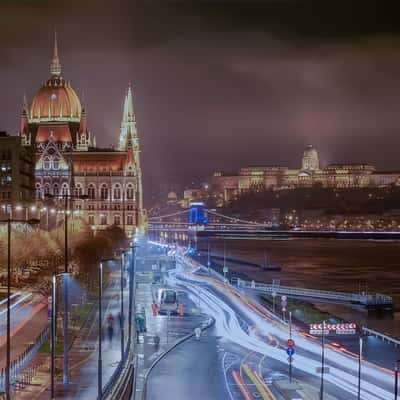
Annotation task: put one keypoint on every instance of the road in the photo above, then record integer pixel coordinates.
(190, 371)
(255, 338)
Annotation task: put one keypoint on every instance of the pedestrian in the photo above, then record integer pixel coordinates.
(110, 328)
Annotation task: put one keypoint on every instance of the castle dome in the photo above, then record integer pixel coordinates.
(310, 160)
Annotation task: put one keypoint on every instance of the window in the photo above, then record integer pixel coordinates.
(56, 190)
(117, 207)
(91, 219)
(91, 207)
(38, 191)
(91, 192)
(78, 191)
(103, 219)
(56, 163)
(130, 192)
(104, 192)
(46, 189)
(65, 189)
(46, 163)
(129, 220)
(129, 207)
(117, 220)
(117, 192)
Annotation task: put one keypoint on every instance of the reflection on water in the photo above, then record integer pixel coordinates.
(344, 265)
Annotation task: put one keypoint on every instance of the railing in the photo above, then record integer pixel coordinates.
(18, 365)
(382, 336)
(366, 299)
(117, 372)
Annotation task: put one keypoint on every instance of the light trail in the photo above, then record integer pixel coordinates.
(376, 384)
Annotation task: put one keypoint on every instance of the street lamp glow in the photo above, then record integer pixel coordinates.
(18, 208)
(52, 210)
(33, 208)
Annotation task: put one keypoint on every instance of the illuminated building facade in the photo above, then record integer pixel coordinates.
(69, 163)
(227, 187)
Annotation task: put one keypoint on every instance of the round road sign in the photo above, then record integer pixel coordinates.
(290, 351)
(290, 343)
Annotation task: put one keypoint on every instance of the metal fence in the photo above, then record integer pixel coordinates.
(18, 375)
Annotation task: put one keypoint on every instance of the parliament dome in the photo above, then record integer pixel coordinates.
(56, 100)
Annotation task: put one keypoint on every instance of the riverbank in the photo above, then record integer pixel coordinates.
(350, 266)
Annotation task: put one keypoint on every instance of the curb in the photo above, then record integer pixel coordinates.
(204, 326)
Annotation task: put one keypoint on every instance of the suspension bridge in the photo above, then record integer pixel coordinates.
(203, 222)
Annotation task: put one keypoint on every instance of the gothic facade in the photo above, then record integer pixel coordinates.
(73, 174)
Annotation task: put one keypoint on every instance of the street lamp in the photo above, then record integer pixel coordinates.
(66, 197)
(9, 221)
(396, 379)
(53, 329)
(100, 361)
(133, 247)
(122, 320)
(360, 339)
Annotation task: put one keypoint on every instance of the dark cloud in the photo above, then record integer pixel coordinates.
(217, 84)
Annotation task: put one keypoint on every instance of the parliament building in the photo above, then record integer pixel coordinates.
(102, 185)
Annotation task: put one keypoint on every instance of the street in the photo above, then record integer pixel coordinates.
(247, 337)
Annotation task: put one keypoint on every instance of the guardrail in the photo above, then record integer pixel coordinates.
(120, 385)
(374, 299)
(18, 365)
(382, 336)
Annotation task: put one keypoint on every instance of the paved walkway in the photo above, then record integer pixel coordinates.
(168, 330)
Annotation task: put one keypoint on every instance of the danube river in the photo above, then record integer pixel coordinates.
(343, 265)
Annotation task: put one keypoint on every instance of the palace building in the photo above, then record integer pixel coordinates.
(103, 185)
(226, 187)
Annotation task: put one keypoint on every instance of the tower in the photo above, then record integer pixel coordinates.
(129, 142)
(310, 160)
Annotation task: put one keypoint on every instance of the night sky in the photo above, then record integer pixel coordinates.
(217, 85)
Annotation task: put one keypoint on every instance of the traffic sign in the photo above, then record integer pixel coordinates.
(290, 351)
(290, 343)
(284, 298)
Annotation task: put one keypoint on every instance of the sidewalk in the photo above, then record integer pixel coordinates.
(158, 326)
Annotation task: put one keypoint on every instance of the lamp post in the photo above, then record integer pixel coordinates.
(53, 330)
(100, 361)
(208, 256)
(396, 379)
(122, 321)
(321, 393)
(9, 222)
(131, 288)
(66, 197)
(359, 367)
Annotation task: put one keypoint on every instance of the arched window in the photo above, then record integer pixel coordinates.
(104, 192)
(65, 191)
(46, 189)
(56, 189)
(78, 191)
(130, 192)
(56, 163)
(91, 192)
(117, 192)
(46, 163)
(38, 191)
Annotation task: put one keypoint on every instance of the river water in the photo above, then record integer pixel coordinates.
(327, 264)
